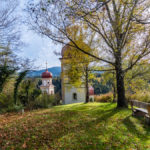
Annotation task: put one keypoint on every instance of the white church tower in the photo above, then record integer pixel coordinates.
(47, 86)
(70, 93)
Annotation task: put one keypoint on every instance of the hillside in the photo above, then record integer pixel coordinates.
(93, 126)
(37, 73)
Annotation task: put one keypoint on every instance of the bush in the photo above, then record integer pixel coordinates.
(43, 101)
(14, 108)
(104, 97)
(143, 96)
(5, 100)
(7, 104)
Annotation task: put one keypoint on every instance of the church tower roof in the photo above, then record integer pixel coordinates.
(46, 74)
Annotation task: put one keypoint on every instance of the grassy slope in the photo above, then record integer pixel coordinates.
(91, 126)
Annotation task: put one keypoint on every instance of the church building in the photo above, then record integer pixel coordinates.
(72, 94)
(47, 86)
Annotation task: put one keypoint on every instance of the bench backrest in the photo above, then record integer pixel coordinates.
(139, 104)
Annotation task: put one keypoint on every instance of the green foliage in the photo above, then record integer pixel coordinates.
(18, 81)
(28, 93)
(99, 87)
(5, 73)
(5, 101)
(8, 65)
(104, 97)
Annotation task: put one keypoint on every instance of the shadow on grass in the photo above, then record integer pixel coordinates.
(134, 129)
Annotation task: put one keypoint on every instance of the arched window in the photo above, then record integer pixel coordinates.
(74, 96)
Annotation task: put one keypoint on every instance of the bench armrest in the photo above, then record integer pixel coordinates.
(148, 109)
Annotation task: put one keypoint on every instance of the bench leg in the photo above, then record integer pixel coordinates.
(147, 119)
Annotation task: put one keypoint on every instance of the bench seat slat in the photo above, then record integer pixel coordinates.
(142, 110)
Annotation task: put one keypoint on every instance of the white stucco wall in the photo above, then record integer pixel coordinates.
(68, 95)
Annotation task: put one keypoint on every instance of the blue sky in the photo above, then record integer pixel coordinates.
(37, 48)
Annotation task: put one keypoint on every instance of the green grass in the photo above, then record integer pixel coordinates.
(93, 126)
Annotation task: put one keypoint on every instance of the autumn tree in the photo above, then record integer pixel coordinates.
(138, 79)
(121, 26)
(79, 65)
(78, 69)
(19, 79)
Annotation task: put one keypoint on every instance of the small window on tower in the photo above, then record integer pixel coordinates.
(74, 96)
(44, 83)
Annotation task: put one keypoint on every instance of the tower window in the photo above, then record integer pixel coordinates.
(44, 83)
(48, 81)
(74, 96)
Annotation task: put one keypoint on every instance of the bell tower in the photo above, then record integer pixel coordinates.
(47, 86)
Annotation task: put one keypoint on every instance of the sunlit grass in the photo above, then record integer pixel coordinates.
(93, 126)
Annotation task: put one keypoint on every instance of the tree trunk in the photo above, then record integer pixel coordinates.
(114, 93)
(114, 89)
(121, 100)
(87, 85)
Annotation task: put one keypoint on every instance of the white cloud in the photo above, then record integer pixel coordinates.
(46, 54)
(37, 48)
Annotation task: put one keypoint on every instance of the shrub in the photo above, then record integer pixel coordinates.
(43, 101)
(15, 108)
(143, 96)
(7, 104)
(104, 97)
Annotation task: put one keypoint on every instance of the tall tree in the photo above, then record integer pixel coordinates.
(9, 40)
(17, 83)
(7, 66)
(122, 30)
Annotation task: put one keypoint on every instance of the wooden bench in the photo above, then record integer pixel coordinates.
(143, 109)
